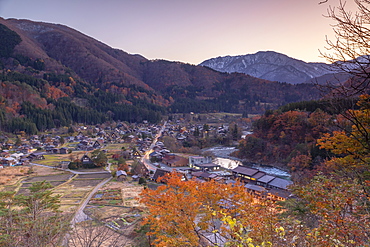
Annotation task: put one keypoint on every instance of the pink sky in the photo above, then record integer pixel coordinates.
(189, 31)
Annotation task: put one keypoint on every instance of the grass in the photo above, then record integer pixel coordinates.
(52, 159)
(80, 194)
(115, 147)
(55, 159)
(11, 175)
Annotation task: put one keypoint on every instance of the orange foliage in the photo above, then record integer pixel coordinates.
(341, 210)
(188, 213)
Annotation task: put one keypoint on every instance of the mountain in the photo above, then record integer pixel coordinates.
(271, 66)
(53, 74)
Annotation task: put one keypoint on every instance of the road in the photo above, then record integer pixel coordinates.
(145, 159)
(80, 215)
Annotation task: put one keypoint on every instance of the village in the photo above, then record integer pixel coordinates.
(131, 143)
(135, 156)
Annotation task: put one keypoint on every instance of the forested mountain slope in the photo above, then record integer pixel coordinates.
(56, 63)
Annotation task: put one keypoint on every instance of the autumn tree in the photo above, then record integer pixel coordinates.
(351, 147)
(191, 213)
(341, 209)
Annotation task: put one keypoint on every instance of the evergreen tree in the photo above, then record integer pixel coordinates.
(31, 220)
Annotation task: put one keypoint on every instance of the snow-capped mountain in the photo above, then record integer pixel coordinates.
(269, 65)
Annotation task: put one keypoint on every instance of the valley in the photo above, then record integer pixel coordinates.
(100, 147)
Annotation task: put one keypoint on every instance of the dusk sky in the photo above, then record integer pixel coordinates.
(190, 31)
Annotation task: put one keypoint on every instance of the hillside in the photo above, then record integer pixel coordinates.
(55, 63)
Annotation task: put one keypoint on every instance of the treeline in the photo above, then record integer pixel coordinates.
(137, 111)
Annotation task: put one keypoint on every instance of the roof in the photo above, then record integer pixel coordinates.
(280, 183)
(38, 153)
(120, 172)
(280, 193)
(205, 165)
(265, 179)
(203, 174)
(245, 171)
(259, 175)
(196, 157)
(175, 160)
(159, 173)
(255, 187)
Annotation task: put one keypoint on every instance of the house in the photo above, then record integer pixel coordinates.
(121, 175)
(63, 150)
(173, 160)
(98, 143)
(207, 166)
(256, 190)
(10, 161)
(279, 183)
(49, 148)
(195, 160)
(24, 161)
(278, 195)
(17, 156)
(4, 154)
(245, 173)
(86, 160)
(203, 175)
(25, 149)
(264, 180)
(159, 173)
(37, 156)
(136, 154)
(114, 136)
(156, 155)
(140, 169)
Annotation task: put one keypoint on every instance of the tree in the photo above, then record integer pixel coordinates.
(92, 233)
(62, 140)
(235, 132)
(349, 52)
(70, 130)
(351, 145)
(18, 142)
(191, 213)
(31, 220)
(341, 208)
(99, 158)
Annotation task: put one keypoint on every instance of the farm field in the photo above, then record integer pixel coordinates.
(108, 206)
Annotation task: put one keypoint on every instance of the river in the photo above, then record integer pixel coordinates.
(224, 159)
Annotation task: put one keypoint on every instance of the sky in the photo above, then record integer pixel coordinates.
(190, 31)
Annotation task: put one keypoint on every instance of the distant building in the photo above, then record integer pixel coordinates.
(121, 175)
(196, 160)
(86, 160)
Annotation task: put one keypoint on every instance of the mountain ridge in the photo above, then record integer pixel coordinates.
(269, 65)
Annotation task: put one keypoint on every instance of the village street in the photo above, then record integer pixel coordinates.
(145, 159)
